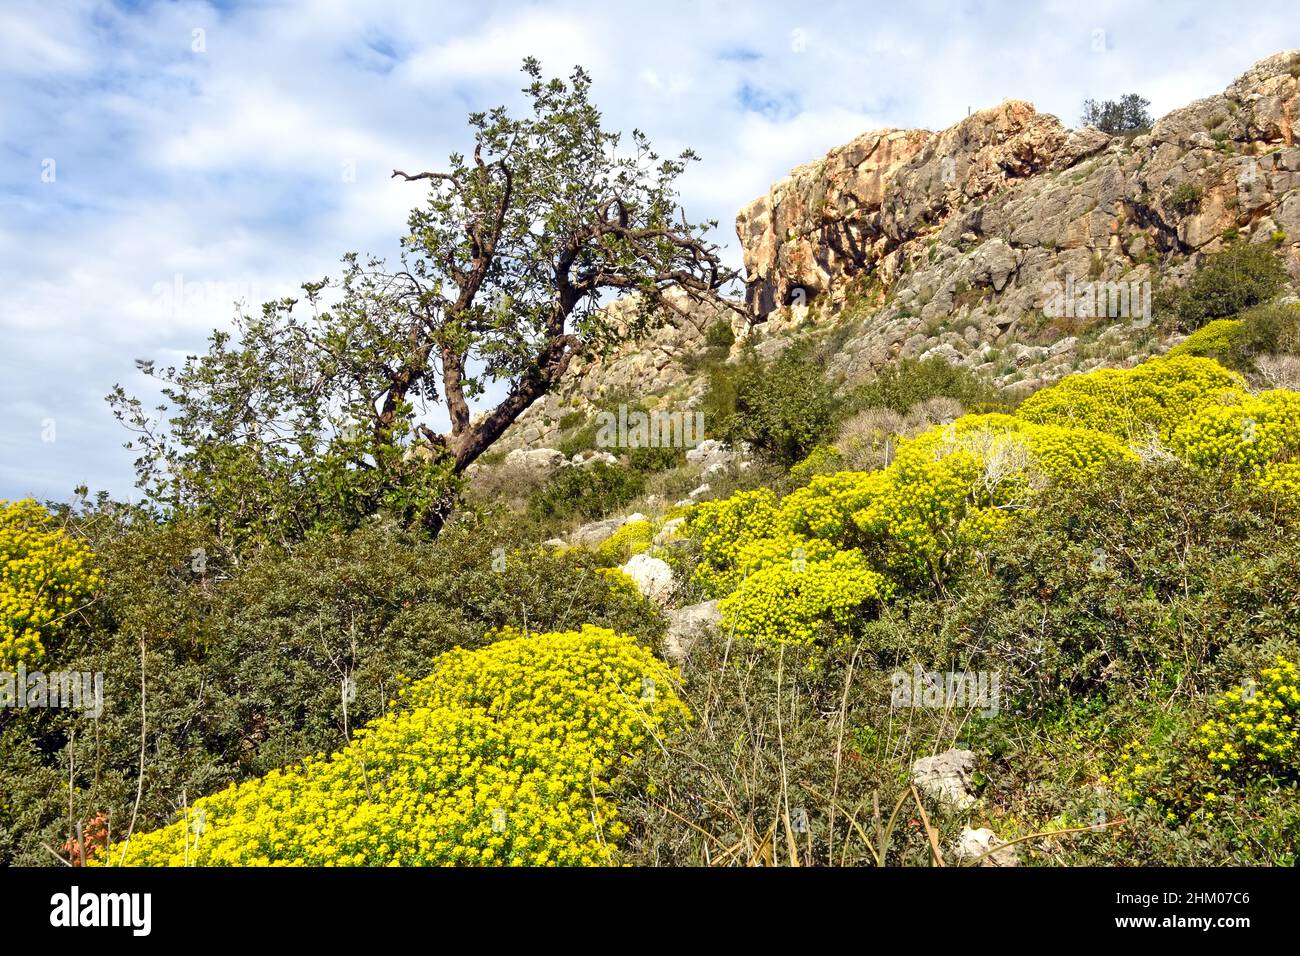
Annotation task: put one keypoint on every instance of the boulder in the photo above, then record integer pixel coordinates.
(947, 777)
(686, 626)
(984, 845)
(537, 461)
(652, 576)
(595, 532)
(668, 531)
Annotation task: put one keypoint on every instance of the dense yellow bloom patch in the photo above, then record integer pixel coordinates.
(633, 538)
(1150, 400)
(1257, 436)
(43, 575)
(723, 529)
(503, 756)
(1256, 727)
(787, 603)
(946, 494)
(953, 487)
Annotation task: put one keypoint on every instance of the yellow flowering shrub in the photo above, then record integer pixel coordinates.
(1257, 436)
(1153, 398)
(952, 488)
(824, 508)
(44, 574)
(723, 528)
(823, 459)
(633, 538)
(1254, 733)
(948, 491)
(788, 603)
(503, 756)
(1257, 727)
(1213, 338)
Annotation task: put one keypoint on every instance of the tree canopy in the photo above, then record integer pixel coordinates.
(1128, 114)
(314, 411)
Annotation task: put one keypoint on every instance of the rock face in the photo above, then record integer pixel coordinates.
(1007, 243)
(816, 224)
(947, 777)
(960, 241)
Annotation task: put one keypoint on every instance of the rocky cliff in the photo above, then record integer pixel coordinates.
(1008, 243)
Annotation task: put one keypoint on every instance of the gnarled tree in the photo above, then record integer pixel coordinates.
(302, 420)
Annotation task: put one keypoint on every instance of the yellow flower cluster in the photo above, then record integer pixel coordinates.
(824, 508)
(723, 528)
(1213, 338)
(1256, 726)
(44, 574)
(1255, 732)
(787, 603)
(633, 538)
(953, 487)
(1139, 771)
(1256, 436)
(1152, 399)
(503, 756)
(946, 494)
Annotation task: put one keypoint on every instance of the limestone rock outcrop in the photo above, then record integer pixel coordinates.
(1007, 243)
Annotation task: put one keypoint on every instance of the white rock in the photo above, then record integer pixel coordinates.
(602, 456)
(540, 461)
(669, 530)
(974, 844)
(947, 777)
(652, 576)
(712, 454)
(595, 532)
(686, 625)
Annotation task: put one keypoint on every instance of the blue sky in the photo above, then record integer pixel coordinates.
(244, 147)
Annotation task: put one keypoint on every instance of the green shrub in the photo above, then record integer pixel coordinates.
(1186, 198)
(904, 384)
(591, 491)
(719, 335)
(1146, 574)
(1237, 342)
(1267, 330)
(1230, 281)
(655, 459)
(578, 439)
(782, 409)
(252, 666)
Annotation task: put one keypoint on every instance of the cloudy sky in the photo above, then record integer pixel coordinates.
(247, 145)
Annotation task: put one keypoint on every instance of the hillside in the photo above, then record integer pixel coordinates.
(907, 243)
(913, 555)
